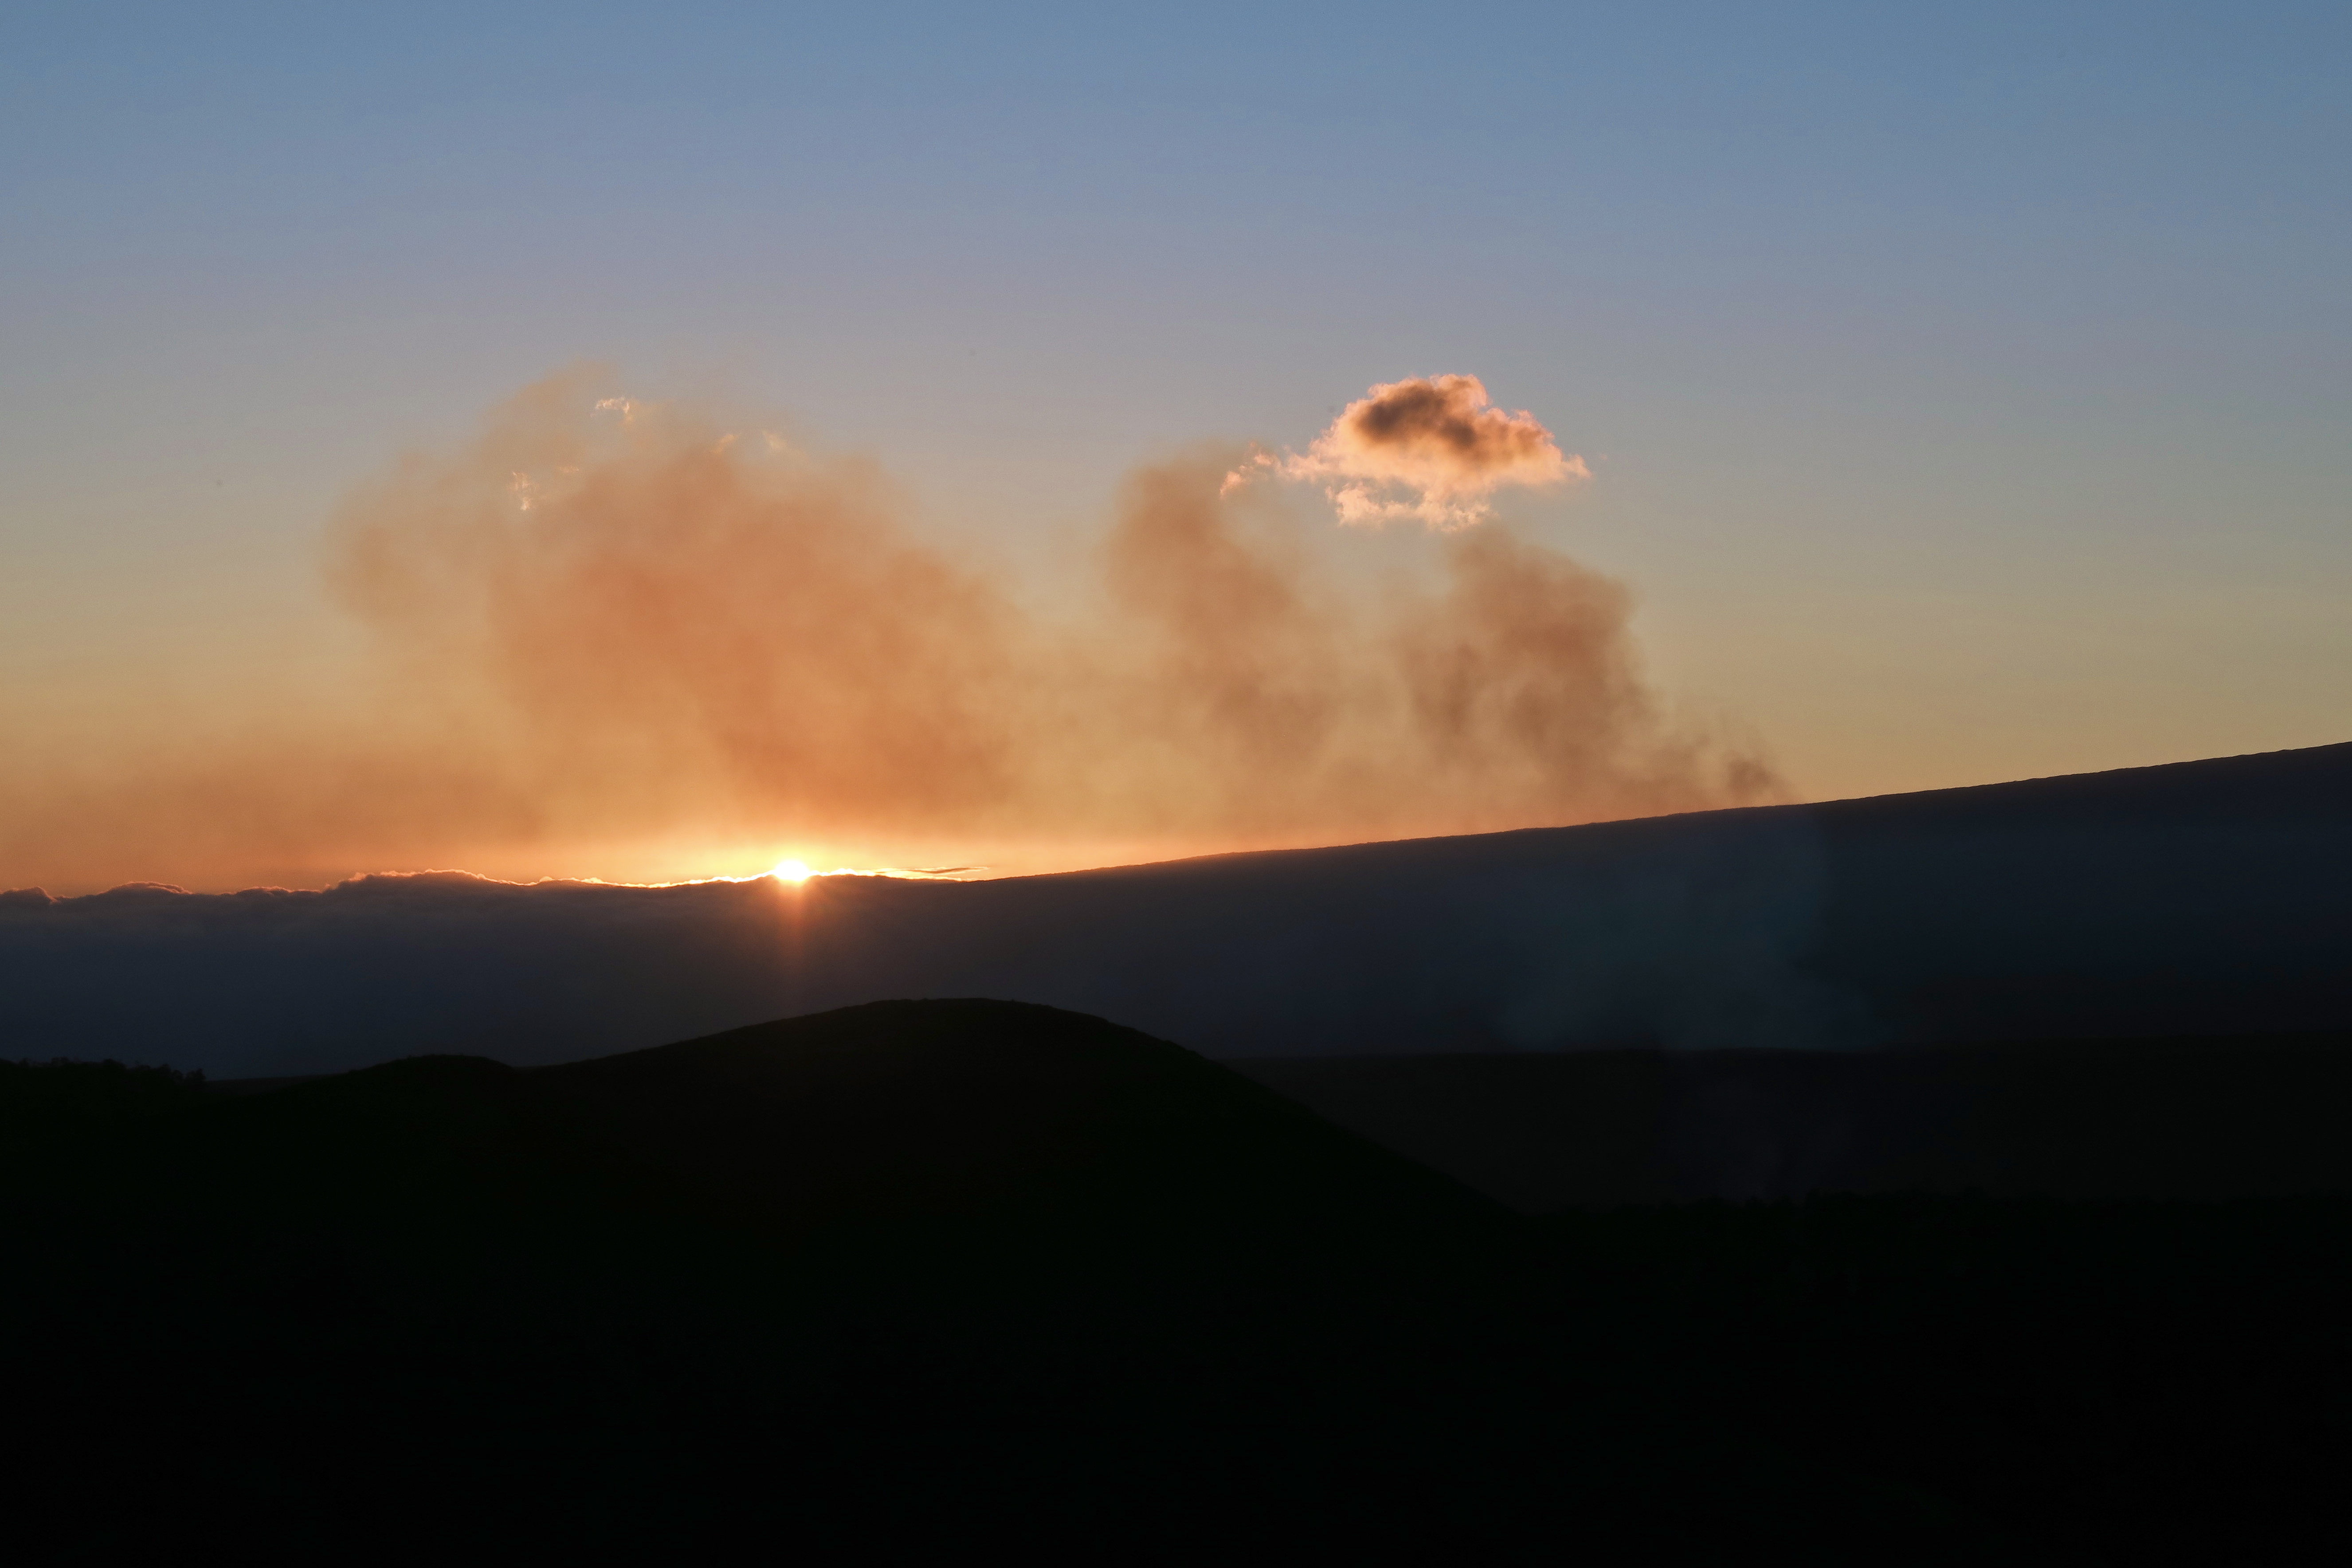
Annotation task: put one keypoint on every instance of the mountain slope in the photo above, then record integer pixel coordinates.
(906, 1271)
(2204, 1118)
(951, 1277)
(2198, 897)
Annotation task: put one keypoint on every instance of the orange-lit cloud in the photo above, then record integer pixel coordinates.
(605, 627)
(1432, 448)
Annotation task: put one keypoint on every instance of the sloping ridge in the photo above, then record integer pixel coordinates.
(962, 1112)
(2195, 898)
(965, 1107)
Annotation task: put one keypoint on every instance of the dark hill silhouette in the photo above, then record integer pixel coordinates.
(974, 1107)
(971, 1275)
(1006, 1117)
(2196, 899)
(910, 1273)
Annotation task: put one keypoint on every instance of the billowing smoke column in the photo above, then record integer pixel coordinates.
(605, 622)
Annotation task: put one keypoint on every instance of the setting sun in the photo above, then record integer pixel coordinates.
(791, 871)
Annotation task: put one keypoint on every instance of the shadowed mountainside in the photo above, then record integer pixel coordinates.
(913, 1272)
(2206, 1117)
(948, 1275)
(2201, 898)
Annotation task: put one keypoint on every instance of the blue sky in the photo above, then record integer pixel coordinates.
(1966, 388)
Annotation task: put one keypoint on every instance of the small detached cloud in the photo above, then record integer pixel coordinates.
(1431, 447)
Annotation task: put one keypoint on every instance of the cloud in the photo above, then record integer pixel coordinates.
(1271, 699)
(646, 608)
(1431, 447)
(608, 638)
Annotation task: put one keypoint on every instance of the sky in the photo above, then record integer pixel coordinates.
(1953, 397)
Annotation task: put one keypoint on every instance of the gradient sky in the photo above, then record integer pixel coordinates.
(1966, 389)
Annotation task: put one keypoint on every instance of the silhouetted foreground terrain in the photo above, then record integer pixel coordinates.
(2217, 1117)
(2201, 898)
(959, 1275)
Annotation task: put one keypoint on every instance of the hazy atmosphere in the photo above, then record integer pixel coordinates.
(603, 445)
(1050, 783)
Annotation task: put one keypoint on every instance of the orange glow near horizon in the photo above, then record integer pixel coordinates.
(685, 639)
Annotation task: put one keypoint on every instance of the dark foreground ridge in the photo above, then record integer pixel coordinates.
(950, 1276)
